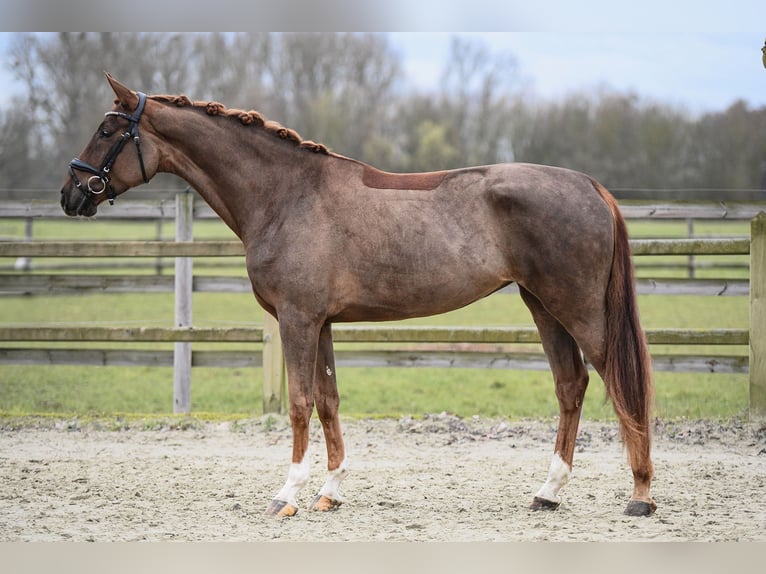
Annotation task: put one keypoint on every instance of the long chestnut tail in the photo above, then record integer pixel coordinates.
(628, 368)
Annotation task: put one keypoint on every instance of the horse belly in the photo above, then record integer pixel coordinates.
(385, 292)
(430, 256)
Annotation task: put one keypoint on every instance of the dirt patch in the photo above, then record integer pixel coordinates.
(439, 478)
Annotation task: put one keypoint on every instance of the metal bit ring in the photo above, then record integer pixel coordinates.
(102, 182)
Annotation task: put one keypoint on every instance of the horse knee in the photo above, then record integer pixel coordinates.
(300, 410)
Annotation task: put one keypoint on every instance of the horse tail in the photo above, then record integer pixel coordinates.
(627, 366)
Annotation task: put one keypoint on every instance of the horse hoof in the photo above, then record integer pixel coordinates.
(323, 503)
(543, 504)
(281, 509)
(640, 508)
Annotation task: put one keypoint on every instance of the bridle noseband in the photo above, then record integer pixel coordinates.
(98, 182)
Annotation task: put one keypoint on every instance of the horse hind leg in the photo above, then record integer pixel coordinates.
(571, 381)
(611, 351)
(635, 430)
(327, 403)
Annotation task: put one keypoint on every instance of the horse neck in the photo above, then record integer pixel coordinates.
(238, 170)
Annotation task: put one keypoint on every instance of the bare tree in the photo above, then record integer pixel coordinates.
(336, 88)
(230, 68)
(730, 147)
(478, 94)
(17, 171)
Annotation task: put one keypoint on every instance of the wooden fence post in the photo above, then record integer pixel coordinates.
(158, 262)
(758, 316)
(25, 263)
(274, 379)
(690, 233)
(182, 352)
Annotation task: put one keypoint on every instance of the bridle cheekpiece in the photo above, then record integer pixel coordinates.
(99, 181)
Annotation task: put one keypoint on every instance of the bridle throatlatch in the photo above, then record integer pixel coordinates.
(98, 182)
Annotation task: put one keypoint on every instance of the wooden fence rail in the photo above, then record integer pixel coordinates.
(431, 346)
(345, 334)
(132, 209)
(697, 246)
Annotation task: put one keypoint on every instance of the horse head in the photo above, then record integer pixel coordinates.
(103, 171)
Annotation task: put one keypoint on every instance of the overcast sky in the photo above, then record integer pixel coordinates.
(701, 71)
(692, 54)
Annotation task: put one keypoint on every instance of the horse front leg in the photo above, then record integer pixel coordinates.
(299, 340)
(327, 402)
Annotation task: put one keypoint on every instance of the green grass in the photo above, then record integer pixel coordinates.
(109, 391)
(112, 390)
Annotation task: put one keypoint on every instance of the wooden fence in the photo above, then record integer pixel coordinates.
(441, 341)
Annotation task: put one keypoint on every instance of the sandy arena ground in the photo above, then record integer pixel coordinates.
(439, 478)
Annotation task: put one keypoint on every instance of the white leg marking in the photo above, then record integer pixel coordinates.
(297, 478)
(331, 488)
(558, 476)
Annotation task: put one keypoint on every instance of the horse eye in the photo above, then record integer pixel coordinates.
(105, 133)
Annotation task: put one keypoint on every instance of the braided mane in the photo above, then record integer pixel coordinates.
(249, 118)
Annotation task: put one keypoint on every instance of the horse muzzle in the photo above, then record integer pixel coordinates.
(76, 202)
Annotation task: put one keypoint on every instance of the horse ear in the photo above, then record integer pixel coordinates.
(127, 97)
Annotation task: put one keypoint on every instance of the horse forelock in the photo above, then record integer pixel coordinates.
(247, 118)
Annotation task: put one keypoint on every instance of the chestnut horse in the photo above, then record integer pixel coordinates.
(330, 239)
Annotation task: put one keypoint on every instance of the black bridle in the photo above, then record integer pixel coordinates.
(93, 189)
